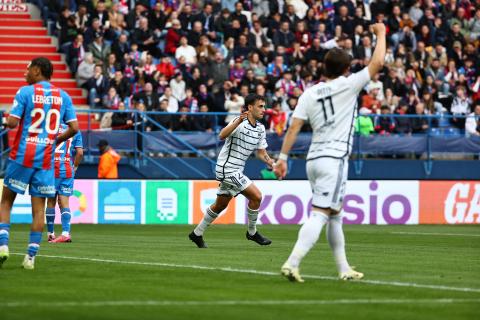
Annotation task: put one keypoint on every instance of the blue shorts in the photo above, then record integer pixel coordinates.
(18, 178)
(64, 186)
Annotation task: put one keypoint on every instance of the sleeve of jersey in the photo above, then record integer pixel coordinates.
(262, 143)
(69, 114)
(359, 80)
(301, 108)
(19, 103)
(78, 141)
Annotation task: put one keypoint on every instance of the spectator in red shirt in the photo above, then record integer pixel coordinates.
(172, 39)
(166, 67)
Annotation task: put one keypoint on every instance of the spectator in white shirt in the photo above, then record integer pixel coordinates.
(186, 51)
(178, 86)
(472, 125)
(172, 101)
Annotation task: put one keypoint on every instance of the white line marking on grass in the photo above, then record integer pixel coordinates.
(259, 272)
(438, 234)
(129, 303)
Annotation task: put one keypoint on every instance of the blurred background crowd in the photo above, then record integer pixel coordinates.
(205, 56)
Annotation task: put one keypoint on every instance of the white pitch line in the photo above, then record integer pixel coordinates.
(438, 234)
(129, 303)
(259, 272)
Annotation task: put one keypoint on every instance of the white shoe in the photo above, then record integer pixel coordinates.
(350, 275)
(28, 262)
(3, 254)
(292, 274)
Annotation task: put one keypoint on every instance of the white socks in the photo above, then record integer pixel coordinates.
(336, 240)
(208, 218)
(252, 221)
(307, 237)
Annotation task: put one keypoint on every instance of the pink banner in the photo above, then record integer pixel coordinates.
(81, 203)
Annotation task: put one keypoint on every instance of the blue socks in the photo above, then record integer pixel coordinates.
(66, 216)
(34, 243)
(50, 214)
(4, 233)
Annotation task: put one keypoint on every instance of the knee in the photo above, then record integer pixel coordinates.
(255, 201)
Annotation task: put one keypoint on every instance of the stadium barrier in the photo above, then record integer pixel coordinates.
(284, 202)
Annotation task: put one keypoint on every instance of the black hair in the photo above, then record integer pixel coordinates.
(45, 66)
(252, 98)
(336, 63)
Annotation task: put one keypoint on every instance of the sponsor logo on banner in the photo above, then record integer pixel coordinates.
(365, 202)
(204, 195)
(284, 202)
(450, 202)
(381, 202)
(167, 202)
(119, 201)
(81, 202)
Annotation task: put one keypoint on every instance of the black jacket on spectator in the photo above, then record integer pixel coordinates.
(193, 38)
(241, 18)
(232, 33)
(403, 125)
(208, 23)
(164, 119)
(119, 50)
(151, 101)
(123, 87)
(220, 99)
(285, 39)
(417, 123)
(101, 88)
(208, 100)
(119, 120)
(186, 20)
(314, 53)
(202, 123)
(157, 21)
(139, 36)
(183, 123)
(384, 124)
(396, 85)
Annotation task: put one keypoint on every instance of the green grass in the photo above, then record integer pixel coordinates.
(61, 288)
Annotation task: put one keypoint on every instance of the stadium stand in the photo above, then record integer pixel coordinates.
(203, 57)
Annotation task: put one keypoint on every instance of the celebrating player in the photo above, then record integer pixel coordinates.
(330, 107)
(243, 136)
(65, 168)
(38, 109)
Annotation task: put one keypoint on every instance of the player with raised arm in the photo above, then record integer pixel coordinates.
(330, 108)
(242, 136)
(68, 156)
(38, 109)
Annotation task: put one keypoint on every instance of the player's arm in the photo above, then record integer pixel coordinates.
(78, 157)
(378, 57)
(12, 122)
(263, 155)
(227, 131)
(70, 132)
(280, 167)
(18, 108)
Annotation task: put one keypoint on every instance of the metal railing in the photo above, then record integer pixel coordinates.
(148, 135)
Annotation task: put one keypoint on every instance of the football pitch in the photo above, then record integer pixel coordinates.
(155, 272)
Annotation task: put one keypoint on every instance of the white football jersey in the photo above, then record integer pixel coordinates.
(330, 108)
(238, 147)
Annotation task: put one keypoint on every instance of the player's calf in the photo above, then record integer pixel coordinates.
(32, 250)
(4, 237)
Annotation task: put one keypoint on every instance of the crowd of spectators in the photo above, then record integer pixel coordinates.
(206, 56)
